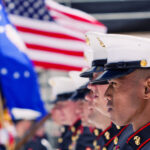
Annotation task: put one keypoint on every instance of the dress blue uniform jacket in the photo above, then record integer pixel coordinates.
(85, 141)
(67, 136)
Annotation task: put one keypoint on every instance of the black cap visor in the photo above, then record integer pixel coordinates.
(61, 97)
(111, 74)
(79, 94)
(89, 73)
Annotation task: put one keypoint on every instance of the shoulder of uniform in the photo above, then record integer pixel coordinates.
(140, 138)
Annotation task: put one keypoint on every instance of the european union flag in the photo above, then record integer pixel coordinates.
(18, 79)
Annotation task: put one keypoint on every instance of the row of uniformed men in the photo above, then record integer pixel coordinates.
(111, 109)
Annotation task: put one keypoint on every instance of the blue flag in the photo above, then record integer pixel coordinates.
(18, 80)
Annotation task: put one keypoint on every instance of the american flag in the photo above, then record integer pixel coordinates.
(51, 43)
(74, 19)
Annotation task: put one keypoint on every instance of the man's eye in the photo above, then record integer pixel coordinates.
(113, 83)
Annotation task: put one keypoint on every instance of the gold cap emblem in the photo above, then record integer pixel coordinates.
(96, 132)
(107, 135)
(60, 140)
(143, 63)
(73, 129)
(87, 40)
(101, 42)
(137, 140)
(116, 140)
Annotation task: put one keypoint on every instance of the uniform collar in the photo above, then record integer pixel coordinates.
(113, 131)
(110, 133)
(76, 125)
(140, 138)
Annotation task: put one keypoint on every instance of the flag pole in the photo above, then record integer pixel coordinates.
(28, 135)
(2, 115)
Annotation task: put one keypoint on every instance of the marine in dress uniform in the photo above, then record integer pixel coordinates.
(114, 136)
(85, 140)
(64, 87)
(128, 67)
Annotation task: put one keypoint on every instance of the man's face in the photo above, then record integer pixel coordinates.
(65, 112)
(57, 115)
(125, 98)
(68, 111)
(98, 96)
(89, 98)
(85, 111)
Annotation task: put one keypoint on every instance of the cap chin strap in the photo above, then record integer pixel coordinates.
(123, 65)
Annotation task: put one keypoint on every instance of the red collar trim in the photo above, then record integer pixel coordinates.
(76, 121)
(143, 144)
(122, 130)
(78, 128)
(148, 124)
(92, 129)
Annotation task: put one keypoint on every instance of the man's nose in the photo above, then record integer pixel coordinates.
(88, 97)
(108, 93)
(91, 86)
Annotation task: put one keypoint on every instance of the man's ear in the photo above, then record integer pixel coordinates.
(147, 89)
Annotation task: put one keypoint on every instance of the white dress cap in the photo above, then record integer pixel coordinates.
(88, 56)
(124, 48)
(97, 46)
(61, 85)
(25, 114)
(78, 81)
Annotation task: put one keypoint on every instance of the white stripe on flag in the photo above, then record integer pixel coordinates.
(56, 58)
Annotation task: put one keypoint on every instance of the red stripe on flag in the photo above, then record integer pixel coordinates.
(77, 17)
(49, 34)
(55, 50)
(56, 66)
